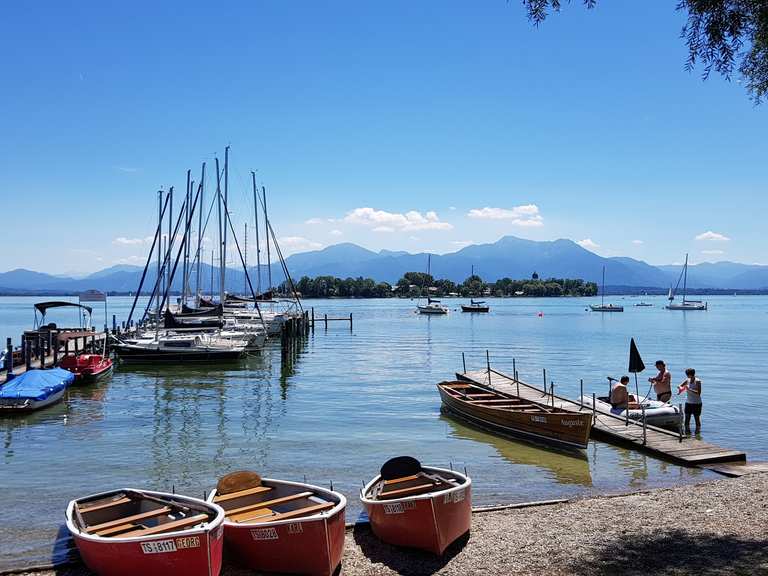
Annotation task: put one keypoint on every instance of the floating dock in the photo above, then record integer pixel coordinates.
(658, 442)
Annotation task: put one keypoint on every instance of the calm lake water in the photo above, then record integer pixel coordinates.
(352, 399)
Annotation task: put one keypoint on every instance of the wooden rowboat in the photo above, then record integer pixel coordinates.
(281, 526)
(418, 507)
(128, 532)
(493, 410)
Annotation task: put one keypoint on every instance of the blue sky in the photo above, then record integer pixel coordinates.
(401, 125)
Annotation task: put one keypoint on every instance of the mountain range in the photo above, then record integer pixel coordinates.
(508, 257)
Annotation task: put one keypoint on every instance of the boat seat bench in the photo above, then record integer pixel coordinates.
(241, 493)
(294, 513)
(167, 526)
(106, 528)
(266, 504)
(117, 502)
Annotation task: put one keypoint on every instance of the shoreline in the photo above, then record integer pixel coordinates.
(717, 526)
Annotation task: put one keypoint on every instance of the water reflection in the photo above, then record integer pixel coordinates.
(564, 467)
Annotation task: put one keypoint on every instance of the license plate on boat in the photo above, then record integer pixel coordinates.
(158, 546)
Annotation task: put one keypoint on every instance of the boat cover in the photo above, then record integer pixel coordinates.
(37, 384)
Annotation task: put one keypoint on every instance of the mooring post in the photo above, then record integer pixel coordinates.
(626, 414)
(517, 383)
(594, 408)
(680, 424)
(552, 392)
(114, 323)
(464, 362)
(514, 370)
(350, 321)
(581, 393)
(544, 371)
(642, 408)
(488, 364)
(9, 357)
(325, 318)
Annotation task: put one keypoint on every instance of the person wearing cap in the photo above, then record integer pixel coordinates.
(662, 382)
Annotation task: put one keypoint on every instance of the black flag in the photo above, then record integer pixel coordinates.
(635, 362)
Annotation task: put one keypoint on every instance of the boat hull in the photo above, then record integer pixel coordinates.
(475, 308)
(596, 308)
(20, 405)
(431, 522)
(137, 355)
(657, 414)
(196, 552)
(564, 430)
(313, 545)
(432, 311)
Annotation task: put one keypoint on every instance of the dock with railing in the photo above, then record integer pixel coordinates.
(659, 442)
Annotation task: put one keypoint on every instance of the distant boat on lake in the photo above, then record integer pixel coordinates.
(685, 304)
(603, 307)
(432, 306)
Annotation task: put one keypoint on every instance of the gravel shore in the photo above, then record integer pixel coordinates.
(714, 528)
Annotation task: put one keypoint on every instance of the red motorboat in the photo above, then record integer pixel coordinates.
(129, 532)
(418, 507)
(280, 526)
(87, 367)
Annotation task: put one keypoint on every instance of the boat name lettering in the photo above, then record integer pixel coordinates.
(399, 507)
(188, 542)
(457, 496)
(571, 423)
(158, 546)
(264, 534)
(295, 528)
(539, 419)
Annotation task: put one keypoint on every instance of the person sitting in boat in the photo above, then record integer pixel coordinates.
(620, 398)
(692, 387)
(662, 382)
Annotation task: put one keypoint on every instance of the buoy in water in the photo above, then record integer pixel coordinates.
(540, 314)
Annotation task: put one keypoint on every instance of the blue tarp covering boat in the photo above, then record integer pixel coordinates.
(35, 389)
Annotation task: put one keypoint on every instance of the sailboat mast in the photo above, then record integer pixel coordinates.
(226, 208)
(685, 278)
(602, 290)
(221, 234)
(266, 233)
(199, 237)
(256, 225)
(245, 259)
(159, 250)
(185, 265)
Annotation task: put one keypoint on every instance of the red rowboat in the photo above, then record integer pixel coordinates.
(280, 526)
(87, 367)
(418, 507)
(129, 532)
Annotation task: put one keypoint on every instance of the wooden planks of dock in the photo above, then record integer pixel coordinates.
(659, 442)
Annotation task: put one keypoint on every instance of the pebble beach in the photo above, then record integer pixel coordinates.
(717, 527)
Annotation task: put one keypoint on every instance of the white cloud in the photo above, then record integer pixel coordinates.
(451, 208)
(637, 242)
(383, 221)
(314, 221)
(588, 243)
(713, 252)
(462, 243)
(123, 241)
(335, 232)
(297, 244)
(526, 215)
(715, 236)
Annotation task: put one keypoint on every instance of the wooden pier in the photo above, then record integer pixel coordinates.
(45, 348)
(658, 442)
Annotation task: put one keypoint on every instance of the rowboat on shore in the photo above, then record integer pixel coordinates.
(418, 506)
(128, 532)
(34, 389)
(87, 368)
(511, 415)
(281, 526)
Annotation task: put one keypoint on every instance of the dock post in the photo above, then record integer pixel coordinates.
(41, 351)
(23, 348)
(464, 362)
(581, 394)
(114, 323)
(514, 370)
(517, 383)
(594, 408)
(27, 353)
(544, 370)
(552, 392)
(325, 319)
(642, 407)
(488, 364)
(9, 356)
(350, 321)
(680, 424)
(626, 414)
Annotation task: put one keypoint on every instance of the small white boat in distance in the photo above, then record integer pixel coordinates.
(603, 307)
(685, 304)
(432, 307)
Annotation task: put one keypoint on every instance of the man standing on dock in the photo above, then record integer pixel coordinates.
(662, 382)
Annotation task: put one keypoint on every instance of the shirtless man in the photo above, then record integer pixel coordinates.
(619, 396)
(662, 382)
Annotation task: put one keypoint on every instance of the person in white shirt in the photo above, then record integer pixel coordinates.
(692, 387)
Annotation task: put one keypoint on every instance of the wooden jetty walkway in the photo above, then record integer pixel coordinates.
(659, 442)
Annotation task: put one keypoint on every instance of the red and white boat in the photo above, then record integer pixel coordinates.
(87, 367)
(281, 526)
(129, 532)
(418, 507)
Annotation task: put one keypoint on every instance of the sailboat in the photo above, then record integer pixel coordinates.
(685, 304)
(603, 307)
(432, 306)
(475, 305)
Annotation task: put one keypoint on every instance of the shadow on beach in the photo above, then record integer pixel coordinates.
(404, 560)
(676, 552)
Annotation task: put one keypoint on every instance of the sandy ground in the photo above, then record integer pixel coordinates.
(716, 527)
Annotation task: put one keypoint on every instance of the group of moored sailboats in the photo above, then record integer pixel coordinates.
(198, 328)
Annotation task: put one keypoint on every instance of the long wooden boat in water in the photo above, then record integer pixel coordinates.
(128, 532)
(281, 526)
(418, 506)
(498, 411)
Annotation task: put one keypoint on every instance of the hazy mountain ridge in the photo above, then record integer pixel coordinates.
(508, 257)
